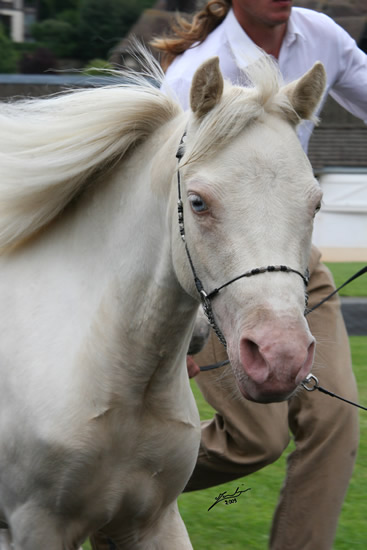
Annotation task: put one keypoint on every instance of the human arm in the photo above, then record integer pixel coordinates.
(350, 86)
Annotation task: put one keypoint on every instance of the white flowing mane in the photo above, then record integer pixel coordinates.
(50, 147)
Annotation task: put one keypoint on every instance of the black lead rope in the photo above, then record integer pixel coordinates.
(355, 276)
(311, 379)
(215, 366)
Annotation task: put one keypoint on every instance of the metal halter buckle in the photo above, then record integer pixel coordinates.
(310, 379)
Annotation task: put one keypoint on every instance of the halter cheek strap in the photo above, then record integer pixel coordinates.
(205, 296)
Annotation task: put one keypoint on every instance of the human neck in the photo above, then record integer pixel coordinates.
(267, 37)
(270, 39)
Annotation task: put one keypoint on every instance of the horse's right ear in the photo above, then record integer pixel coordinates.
(206, 87)
(306, 92)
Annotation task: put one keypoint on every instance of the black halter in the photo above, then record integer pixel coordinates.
(205, 296)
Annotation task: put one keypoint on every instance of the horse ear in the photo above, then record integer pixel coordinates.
(306, 92)
(206, 87)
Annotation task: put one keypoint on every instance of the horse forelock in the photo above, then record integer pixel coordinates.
(50, 148)
(239, 107)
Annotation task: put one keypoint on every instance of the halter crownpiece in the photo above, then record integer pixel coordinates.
(205, 296)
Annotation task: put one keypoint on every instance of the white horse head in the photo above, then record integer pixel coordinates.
(250, 199)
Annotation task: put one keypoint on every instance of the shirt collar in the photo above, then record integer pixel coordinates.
(293, 30)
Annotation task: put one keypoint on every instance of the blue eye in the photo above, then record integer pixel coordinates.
(197, 204)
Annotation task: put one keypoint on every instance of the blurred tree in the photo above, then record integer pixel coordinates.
(57, 35)
(9, 56)
(85, 29)
(48, 9)
(103, 24)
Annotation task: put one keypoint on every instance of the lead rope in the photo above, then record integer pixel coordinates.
(355, 276)
(311, 379)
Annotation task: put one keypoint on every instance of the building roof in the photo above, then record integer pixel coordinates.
(342, 147)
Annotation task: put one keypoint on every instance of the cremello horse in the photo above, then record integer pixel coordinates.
(98, 427)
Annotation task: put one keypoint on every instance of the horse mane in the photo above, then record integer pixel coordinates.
(50, 147)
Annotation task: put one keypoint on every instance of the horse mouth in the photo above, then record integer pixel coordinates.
(268, 393)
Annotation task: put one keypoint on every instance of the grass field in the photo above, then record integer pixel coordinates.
(246, 524)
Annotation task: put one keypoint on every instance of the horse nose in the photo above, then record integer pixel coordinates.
(278, 360)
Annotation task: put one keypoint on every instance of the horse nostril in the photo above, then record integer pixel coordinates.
(252, 348)
(253, 362)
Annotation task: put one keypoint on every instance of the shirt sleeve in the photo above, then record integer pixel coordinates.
(350, 87)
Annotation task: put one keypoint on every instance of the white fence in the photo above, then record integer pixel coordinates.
(341, 226)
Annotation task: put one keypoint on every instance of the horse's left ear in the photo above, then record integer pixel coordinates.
(306, 92)
(206, 87)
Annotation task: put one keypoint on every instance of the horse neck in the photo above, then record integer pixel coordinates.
(143, 316)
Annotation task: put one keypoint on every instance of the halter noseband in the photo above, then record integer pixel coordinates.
(204, 296)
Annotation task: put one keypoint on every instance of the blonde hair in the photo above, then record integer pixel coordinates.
(185, 33)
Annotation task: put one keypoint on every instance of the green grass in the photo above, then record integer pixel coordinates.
(341, 273)
(352, 531)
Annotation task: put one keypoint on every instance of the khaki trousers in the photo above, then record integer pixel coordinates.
(245, 436)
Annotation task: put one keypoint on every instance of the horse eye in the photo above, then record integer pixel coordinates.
(318, 208)
(197, 204)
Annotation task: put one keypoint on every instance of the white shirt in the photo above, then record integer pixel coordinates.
(311, 36)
